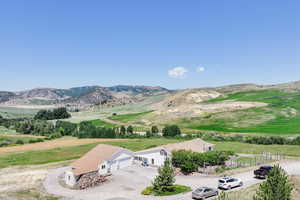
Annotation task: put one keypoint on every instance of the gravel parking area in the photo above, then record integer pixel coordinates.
(126, 184)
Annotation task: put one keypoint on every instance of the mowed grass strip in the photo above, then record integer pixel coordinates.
(128, 117)
(74, 152)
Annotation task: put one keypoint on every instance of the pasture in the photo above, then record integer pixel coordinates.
(281, 116)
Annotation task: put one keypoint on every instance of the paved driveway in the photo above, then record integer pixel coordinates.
(126, 184)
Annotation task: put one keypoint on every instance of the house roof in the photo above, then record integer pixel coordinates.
(90, 161)
(196, 145)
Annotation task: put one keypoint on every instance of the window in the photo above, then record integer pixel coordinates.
(103, 167)
(152, 161)
(69, 177)
(163, 153)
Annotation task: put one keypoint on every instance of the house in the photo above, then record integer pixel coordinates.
(156, 156)
(106, 159)
(103, 158)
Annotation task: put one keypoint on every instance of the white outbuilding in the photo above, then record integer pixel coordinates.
(156, 156)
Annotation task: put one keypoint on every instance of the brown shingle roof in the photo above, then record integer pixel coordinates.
(90, 161)
(196, 145)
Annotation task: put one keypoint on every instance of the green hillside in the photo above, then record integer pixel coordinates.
(281, 116)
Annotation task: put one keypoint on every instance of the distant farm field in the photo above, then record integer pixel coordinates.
(281, 116)
(129, 117)
(101, 123)
(10, 112)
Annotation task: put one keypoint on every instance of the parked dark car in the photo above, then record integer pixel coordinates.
(262, 172)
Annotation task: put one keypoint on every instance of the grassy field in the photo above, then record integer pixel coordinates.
(129, 117)
(9, 112)
(98, 122)
(281, 116)
(14, 138)
(237, 147)
(6, 131)
(74, 152)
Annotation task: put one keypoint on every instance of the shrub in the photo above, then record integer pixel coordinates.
(19, 141)
(189, 161)
(171, 131)
(32, 141)
(147, 190)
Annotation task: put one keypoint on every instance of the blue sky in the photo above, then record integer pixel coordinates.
(68, 43)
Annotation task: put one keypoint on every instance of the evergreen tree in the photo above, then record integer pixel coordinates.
(276, 187)
(129, 130)
(166, 177)
(154, 130)
(122, 131)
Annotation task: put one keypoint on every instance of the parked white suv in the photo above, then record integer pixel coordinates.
(228, 183)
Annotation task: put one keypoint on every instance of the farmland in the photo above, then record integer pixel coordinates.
(129, 117)
(281, 116)
(11, 112)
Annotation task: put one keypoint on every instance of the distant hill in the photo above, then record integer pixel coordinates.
(82, 96)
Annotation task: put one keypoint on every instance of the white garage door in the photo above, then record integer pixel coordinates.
(121, 163)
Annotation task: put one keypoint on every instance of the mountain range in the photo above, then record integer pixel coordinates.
(87, 95)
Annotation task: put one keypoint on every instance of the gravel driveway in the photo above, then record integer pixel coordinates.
(126, 184)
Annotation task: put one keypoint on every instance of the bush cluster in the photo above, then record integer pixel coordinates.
(189, 161)
(171, 131)
(57, 113)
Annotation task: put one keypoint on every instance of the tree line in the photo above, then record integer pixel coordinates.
(57, 113)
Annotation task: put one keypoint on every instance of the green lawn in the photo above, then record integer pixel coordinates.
(98, 122)
(129, 117)
(175, 189)
(281, 116)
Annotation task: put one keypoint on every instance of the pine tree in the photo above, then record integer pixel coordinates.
(276, 187)
(122, 131)
(166, 177)
(129, 130)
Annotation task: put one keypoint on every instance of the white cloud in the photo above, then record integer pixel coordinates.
(178, 72)
(200, 69)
